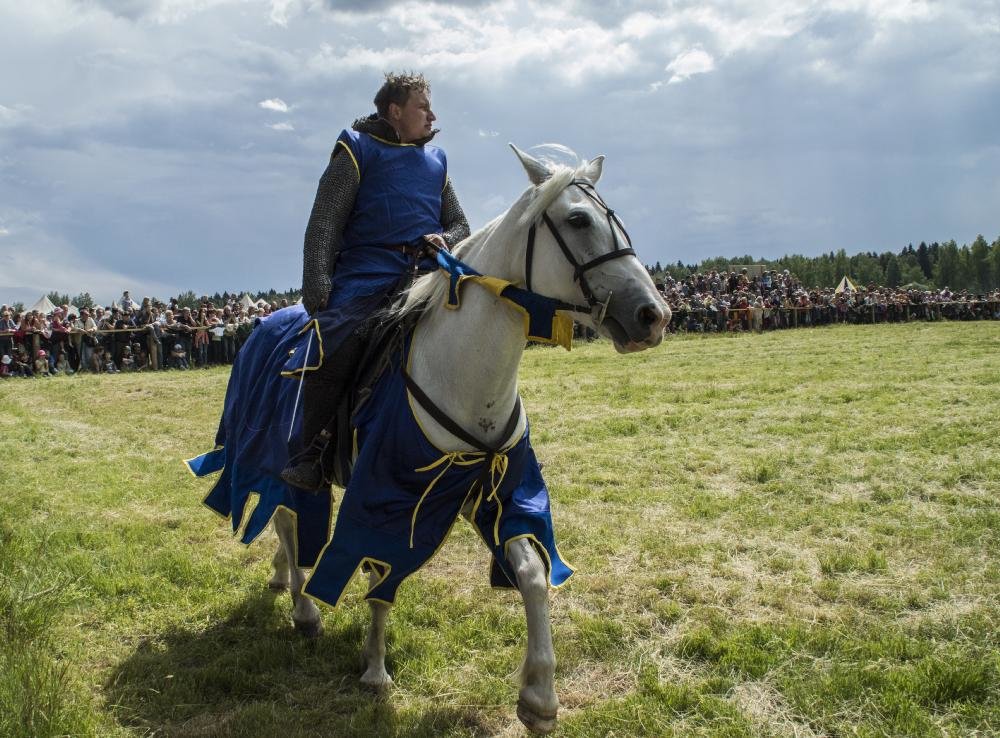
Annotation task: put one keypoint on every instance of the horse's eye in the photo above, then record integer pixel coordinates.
(578, 220)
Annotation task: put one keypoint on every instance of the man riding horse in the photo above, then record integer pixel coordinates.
(384, 195)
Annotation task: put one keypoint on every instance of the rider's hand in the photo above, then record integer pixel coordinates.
(438, 240)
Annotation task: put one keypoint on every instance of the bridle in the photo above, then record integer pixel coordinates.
(579, 270)
(579, 275)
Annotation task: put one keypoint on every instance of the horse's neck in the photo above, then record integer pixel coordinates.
(466, 361)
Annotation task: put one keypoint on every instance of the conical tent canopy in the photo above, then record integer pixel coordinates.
(246, 302)
(846, 285)
(44, 305)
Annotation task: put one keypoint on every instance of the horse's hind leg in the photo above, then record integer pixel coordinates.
(373, 654)
(279, 580)
(537, 704)
(305, 614)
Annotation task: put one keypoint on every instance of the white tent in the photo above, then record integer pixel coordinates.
(73, 310)
(44, 305)
(846, 285)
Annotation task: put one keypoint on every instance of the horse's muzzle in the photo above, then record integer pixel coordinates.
(643, 329)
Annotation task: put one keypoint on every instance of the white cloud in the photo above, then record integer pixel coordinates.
(4, 232)
(283, 10)
(275, 103)
(495, 42)
(282, 127)
(689, 63)
(15, 114)
(487, 134)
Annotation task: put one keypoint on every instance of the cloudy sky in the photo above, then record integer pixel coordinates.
(166, 145)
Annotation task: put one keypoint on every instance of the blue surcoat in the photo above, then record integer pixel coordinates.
(398, 202)
(399, 195)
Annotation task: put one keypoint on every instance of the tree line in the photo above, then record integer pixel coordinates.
(974, 267)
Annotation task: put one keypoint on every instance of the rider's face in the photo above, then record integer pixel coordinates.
(414, 119)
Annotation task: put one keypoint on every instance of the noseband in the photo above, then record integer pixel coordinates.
(579, 270)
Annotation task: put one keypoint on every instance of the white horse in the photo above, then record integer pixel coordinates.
(577, 255)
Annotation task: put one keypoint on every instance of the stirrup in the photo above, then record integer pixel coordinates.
(305, 469)
(307, 476)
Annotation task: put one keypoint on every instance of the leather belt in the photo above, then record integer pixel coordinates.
(404, 248)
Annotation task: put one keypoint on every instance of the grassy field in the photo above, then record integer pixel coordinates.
(795, 533)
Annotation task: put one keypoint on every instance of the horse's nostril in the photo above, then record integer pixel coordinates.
(649, 315)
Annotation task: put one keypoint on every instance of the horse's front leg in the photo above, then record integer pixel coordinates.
(373, 654)
(537, 704)
(305, 614)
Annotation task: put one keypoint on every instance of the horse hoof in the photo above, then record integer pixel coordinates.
(533, 721)
(380, 684)
(309, 628)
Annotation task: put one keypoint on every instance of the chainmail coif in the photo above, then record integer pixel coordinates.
(338, 188)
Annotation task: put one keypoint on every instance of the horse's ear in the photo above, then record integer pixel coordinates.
(594, 168)
(537, 171)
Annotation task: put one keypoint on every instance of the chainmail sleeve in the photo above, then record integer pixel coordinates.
(335, 197)
(456, 227)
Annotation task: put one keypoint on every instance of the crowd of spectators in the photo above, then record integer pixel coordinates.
(127, 336)
(739, 300)
(153, 336)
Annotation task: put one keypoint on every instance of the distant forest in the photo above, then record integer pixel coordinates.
(974, 267)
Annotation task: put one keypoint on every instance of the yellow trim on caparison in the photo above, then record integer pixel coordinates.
(572, 569)
(187, 462)
(343, 592)
(224, 517)
(562, 324)
(248, 510)
(314, 324)
(381, 577)
(547, 560)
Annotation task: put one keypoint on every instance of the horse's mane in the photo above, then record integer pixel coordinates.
(429, 290)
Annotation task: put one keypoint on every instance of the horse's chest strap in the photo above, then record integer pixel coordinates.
(454, 428)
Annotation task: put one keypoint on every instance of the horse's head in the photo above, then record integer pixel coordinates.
(578, 250)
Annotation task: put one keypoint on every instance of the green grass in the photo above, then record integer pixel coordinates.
(796, 533)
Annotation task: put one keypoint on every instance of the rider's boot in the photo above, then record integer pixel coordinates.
(321, 397)
(319, 403)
